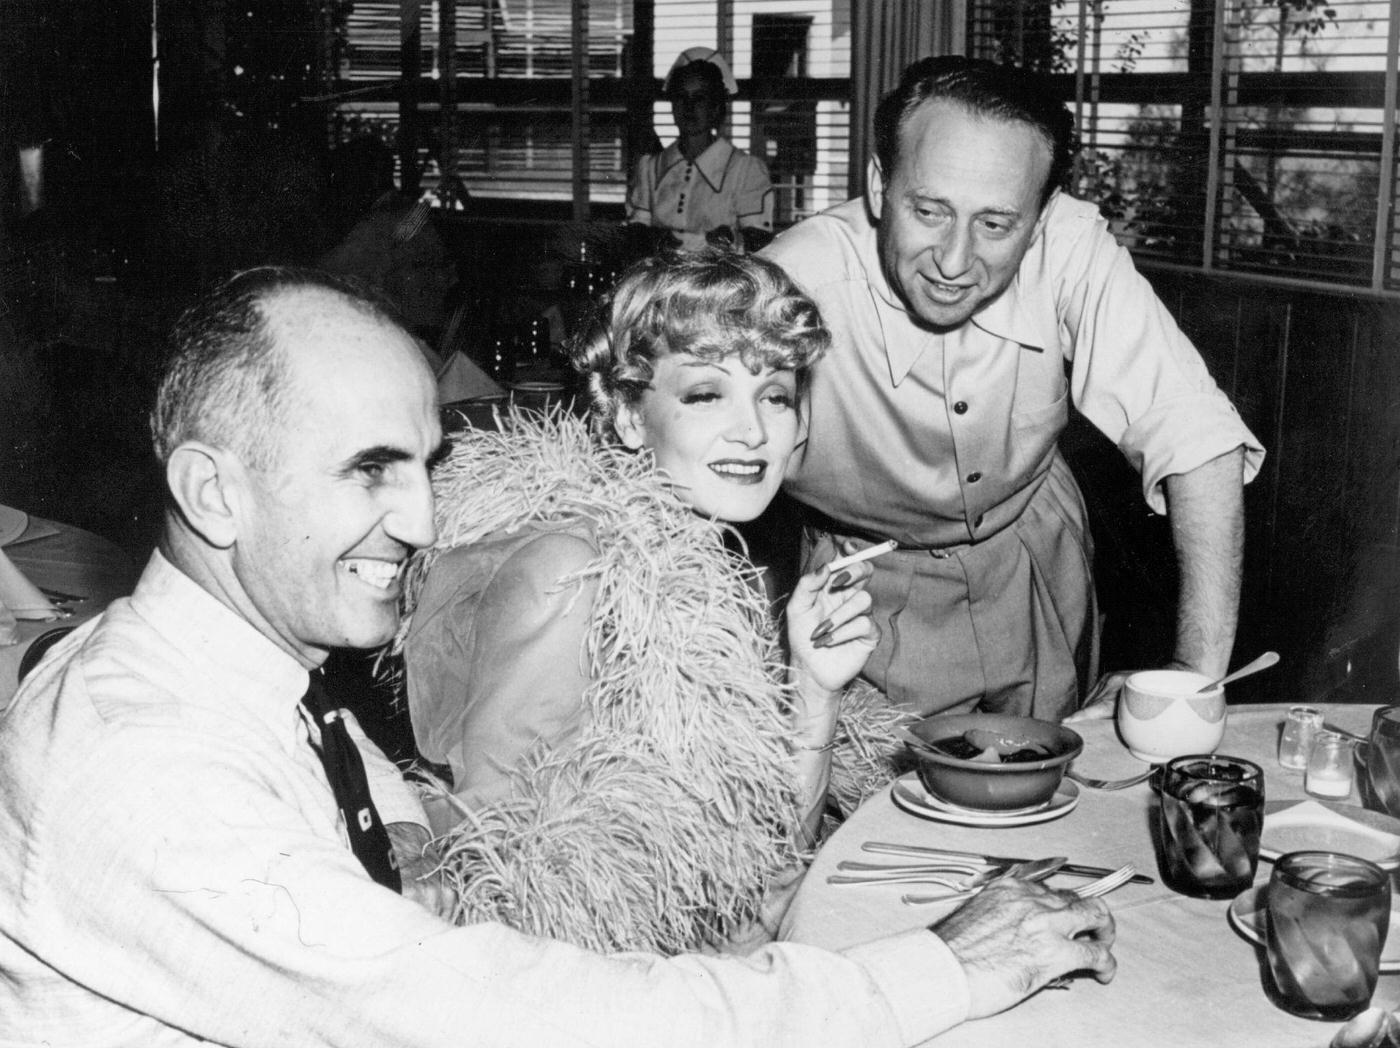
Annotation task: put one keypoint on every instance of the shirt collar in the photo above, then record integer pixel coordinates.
(712, 163)
(242, 666)
(1009, 317)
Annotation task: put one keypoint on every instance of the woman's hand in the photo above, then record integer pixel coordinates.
(830, 632)
(830, 635)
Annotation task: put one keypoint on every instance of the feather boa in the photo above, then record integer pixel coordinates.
(662, 824)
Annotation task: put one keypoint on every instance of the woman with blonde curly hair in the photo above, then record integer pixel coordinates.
(635, 765)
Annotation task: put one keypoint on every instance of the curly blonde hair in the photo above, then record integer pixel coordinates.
(711, 304)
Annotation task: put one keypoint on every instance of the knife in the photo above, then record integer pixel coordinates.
(1031, 871)
(1077, 869)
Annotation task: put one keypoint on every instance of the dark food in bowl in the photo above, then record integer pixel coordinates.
(992, 762)
(962, 747)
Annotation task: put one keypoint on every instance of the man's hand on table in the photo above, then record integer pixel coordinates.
(1102, 701)
(1015, 936)
(418, 869)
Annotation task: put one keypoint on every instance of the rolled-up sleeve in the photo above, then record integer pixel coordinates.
(1134, 374)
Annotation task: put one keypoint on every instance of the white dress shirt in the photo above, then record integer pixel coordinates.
(173, 871)
(941, 438)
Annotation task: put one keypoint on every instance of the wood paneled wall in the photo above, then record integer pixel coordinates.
(1317, 378)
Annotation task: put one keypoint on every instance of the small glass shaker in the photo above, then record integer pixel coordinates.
(1329, 766)
(1295, 744)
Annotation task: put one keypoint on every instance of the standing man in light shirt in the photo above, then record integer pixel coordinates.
(175, 867)
(971, 302)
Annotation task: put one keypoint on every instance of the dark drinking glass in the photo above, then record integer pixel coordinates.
(1383, 762)
(1328, 915)
(1211, 816)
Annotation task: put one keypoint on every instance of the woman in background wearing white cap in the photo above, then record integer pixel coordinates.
(701, 188)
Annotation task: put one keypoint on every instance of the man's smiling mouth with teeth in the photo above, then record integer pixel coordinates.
(379, 573)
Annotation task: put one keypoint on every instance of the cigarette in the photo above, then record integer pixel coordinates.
(865, 554)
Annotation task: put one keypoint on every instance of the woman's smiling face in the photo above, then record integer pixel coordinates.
(722, 433)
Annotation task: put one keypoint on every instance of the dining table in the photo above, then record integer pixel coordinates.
(70, 561)
(1186, 977)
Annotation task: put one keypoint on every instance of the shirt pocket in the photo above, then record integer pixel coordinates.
(1035, 431)
(1043, 415)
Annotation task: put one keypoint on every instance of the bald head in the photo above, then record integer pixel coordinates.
(226, 382)
(297, 424)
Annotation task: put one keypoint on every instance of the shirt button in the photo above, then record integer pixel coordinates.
(960, 407)
(973, 478)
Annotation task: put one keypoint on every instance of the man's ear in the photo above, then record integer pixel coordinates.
(629, 427)
(204, 482)
(874, 188)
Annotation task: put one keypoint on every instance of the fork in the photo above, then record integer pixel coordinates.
(1111, 784)
(1034, 870)
(1106, 883)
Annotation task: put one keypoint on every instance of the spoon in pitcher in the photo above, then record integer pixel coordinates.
(1263, 662)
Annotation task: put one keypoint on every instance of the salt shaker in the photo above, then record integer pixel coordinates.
(1329, 766)
(1302, 724)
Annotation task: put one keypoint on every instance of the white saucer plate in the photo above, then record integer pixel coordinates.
(909, 795)
(13, 523)
(1314, 825)
(1247, 918)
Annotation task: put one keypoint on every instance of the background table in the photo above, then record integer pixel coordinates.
(1185, 978)
(69, 561)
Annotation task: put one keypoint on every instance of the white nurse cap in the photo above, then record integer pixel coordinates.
(702, 54)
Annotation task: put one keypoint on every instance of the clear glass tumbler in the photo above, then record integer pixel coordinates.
(1329, 773)
(1327, 918)
(1211, 814)
(1302, 724)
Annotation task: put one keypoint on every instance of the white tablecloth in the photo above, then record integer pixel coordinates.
(1185, 978)
(71, 561)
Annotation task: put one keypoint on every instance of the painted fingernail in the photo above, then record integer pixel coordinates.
(821, 631)
(839, 581)
(824, 641)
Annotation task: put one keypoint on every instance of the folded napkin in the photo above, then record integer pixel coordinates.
(1310, 826)
(21, 596)
(461, 379)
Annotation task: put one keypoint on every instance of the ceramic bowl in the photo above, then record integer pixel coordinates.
(1163, 714)
(984, 783)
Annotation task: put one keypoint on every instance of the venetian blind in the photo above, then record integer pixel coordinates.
(510, 127)
(1228, 134)
(792, 59)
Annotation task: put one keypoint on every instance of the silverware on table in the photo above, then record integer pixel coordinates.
(1033, 870)
(934, 864)
(1326, 726)
(1109, 882)
(951, 855)
(1110, 784)
(974, 878)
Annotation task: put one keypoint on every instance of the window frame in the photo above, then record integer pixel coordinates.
(1229, 91)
